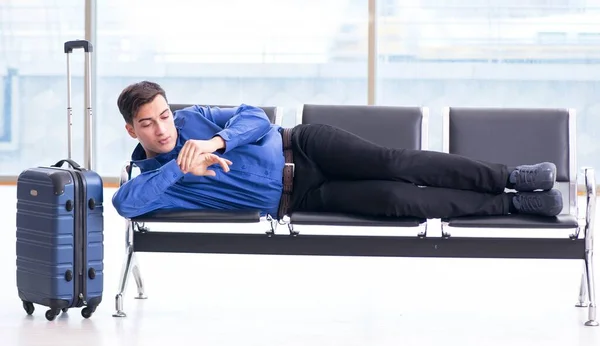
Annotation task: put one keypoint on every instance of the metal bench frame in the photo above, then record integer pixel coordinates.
(292, 242)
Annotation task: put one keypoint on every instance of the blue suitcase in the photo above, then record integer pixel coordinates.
(60, 224)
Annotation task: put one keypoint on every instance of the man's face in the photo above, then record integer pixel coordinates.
(154, 128)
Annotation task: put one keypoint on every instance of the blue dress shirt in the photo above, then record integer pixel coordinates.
(252, 144)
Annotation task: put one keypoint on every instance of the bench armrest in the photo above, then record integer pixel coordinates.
(590, 198)
(125, 174)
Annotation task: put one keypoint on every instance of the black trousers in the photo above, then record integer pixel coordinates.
(337, 171)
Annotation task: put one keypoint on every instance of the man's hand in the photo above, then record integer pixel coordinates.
(193, 148)
(200, 164)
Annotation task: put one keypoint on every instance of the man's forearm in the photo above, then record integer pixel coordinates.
(248, 125)
(145, 192)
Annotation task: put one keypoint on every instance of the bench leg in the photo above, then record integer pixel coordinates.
(582, 303)
(590, 216)
(589, 265)
(125, 271)
(589, 271)
(123, 284)
(138, 281)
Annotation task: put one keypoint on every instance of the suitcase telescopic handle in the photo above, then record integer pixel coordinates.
(87, 150)
(78, 44)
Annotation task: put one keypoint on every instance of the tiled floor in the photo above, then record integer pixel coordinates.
(277, 300)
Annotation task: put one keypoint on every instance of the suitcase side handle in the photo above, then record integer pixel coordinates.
(69, 161)
(86, 45)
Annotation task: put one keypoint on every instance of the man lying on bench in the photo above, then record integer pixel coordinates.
(236, 159)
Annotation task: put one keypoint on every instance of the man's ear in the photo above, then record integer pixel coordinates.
(130, 130)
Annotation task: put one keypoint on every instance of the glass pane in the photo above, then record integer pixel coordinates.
(262, 52)
(33, 87)
(504, 53)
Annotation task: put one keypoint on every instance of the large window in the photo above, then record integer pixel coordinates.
(503, 53)
(33, 88)
(260, 52)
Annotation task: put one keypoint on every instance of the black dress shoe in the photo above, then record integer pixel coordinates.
(544, 203)
(541, 176)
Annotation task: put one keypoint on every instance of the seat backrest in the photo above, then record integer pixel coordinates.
(273, 113)
(517, 136)
(389, 126)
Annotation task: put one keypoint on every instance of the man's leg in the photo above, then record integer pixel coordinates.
(341, 155)
(400, 199)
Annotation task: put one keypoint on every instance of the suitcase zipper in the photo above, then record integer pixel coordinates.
(80, 239)
(84, 232)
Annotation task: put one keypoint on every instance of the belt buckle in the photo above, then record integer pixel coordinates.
(291, 164)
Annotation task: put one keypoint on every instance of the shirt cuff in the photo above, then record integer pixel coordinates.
(171, 172)
(229, 139)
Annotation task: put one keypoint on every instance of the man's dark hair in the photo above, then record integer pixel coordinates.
(135, 96)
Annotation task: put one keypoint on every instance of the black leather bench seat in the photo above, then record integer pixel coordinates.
(200, 216)
(514, 221)
(337, 219)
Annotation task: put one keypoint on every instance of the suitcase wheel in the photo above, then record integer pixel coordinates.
(52, 313)
(87, 311)
(29, 308)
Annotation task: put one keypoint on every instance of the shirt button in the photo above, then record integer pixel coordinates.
(243, 166)
(266, 172)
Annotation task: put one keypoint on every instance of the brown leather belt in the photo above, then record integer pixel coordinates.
(288, 173)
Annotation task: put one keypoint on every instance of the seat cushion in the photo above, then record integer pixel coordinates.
(200, 216)
(335, 219)
(514, 221)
